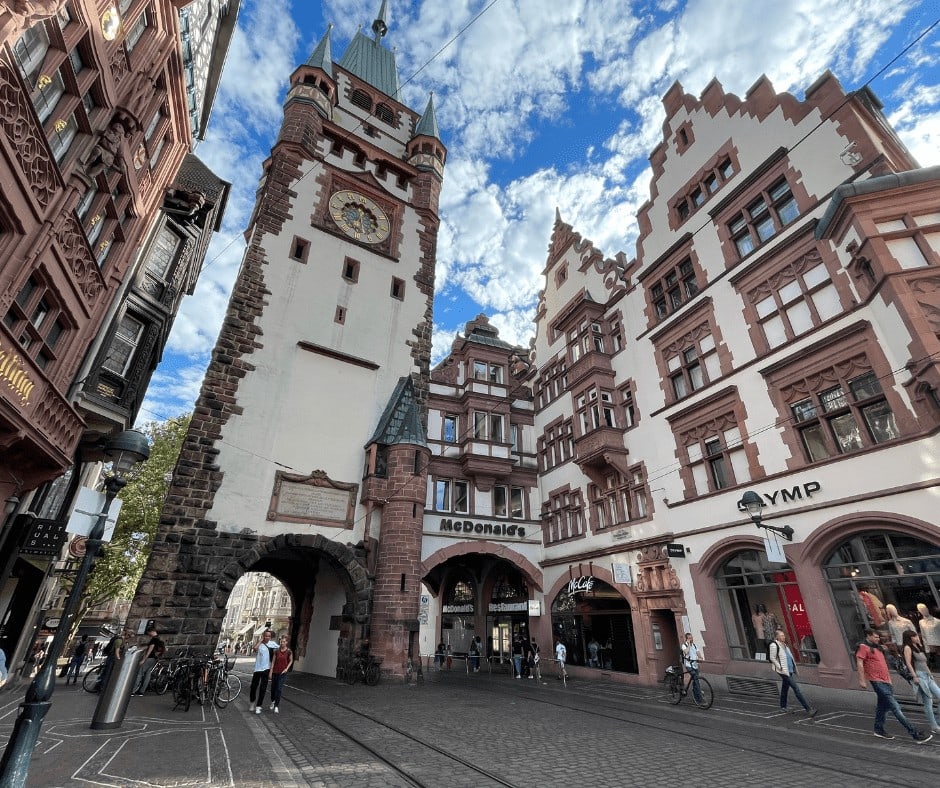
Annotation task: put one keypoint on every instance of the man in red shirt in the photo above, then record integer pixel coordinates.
(871, 665)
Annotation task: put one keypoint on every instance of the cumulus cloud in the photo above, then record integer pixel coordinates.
(544, 107)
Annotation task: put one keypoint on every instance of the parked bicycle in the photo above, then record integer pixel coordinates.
(91, 681)
(677, 691)
(365, 668)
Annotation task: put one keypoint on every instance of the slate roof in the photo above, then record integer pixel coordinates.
(400, 423)
(371, 62)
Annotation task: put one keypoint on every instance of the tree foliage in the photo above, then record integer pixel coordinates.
(121, 563)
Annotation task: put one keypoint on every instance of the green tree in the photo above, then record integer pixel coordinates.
(121, 563)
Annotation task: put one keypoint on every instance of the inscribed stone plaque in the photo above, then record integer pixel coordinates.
(312, 499)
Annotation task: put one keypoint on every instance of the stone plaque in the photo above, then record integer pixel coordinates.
(314, 499)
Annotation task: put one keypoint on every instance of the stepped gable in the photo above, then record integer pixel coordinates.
(823, 96)
(615, 270)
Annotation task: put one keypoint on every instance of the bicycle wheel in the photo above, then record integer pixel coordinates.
(708, 696)
(372, 674)
(160, 681)
(92, 680)
(674, 687)
(227, 690)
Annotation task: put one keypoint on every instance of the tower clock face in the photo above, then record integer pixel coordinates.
(359, 217)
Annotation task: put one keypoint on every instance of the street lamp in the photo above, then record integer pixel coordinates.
(125, 450)
(752, 503)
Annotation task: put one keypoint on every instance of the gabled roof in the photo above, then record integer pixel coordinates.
(400, 423)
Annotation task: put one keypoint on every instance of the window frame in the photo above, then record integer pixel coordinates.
(761, 218)
(31, 318)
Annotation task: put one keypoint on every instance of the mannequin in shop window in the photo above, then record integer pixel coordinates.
(897, 624)
(765, 624)
(929, 630)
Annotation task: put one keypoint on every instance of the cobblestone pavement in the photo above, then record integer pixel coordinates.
(456, 730)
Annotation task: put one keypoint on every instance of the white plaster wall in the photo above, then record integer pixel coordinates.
(322, 646)
(303, 411)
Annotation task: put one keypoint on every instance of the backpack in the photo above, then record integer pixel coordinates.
(901, 667)
(109, 648)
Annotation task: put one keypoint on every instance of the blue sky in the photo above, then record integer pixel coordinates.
(542, 105)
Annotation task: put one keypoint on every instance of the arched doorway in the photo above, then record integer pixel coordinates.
(595, 623)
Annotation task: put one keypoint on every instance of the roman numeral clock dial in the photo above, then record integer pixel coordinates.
(359, 217)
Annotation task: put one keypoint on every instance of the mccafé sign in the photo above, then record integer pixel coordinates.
(482, 529)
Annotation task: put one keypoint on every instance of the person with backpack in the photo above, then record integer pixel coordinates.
(870, 660)
(915, 659)
(155, 650)
(75, 661)
(781, 659)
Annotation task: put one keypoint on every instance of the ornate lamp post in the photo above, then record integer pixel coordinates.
(125, 450)
(752, 503)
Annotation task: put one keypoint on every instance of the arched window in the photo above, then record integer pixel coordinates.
(384, 113)
(361, 99)
(756, 599)
(889, 582)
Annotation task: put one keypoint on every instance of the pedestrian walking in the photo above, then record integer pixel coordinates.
(282, 660)
(561, 654)
(781, 659)
(915, 657)
(259, 679)
(155, 650)
(690, 658)
(74, 667)
(474, 653)
(3, 667)
(870, 660)
(517, 655)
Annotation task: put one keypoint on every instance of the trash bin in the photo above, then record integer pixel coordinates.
(113, 700)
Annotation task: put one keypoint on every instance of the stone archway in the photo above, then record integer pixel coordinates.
(190, 576)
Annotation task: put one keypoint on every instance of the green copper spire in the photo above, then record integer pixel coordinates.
(427, 126)
(322, 56)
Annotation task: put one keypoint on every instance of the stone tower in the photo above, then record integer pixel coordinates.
(321, 369)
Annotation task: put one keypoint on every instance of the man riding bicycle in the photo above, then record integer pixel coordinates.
(690, 658)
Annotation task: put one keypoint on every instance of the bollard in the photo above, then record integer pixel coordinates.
(112, 703)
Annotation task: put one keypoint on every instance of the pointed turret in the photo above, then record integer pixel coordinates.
(425, 151)
(313, 82)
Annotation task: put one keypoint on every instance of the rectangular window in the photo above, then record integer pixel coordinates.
(799, 300)
(449, 432)
(61, 137)
(764, 217)
(500, 501)
(516, 503)
(479, 370)
(442, 495)
(831, 421)
(351, 270)
(124, 345)
(675, 288)
(496, 428)
(163, 252)
(461, 497)
(479, 425)
(398, 288)
(136, 31)
(30, 51)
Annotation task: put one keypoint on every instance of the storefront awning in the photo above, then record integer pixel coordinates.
(245, 628)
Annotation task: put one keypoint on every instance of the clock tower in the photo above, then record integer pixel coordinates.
(306, 457)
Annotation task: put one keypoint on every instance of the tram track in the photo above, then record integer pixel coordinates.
(427, 775)
(393, 746)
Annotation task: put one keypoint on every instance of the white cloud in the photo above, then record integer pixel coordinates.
(521, 97)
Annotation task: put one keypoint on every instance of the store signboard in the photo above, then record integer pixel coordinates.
(623, 573)
(774, 550)
(88, 507)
